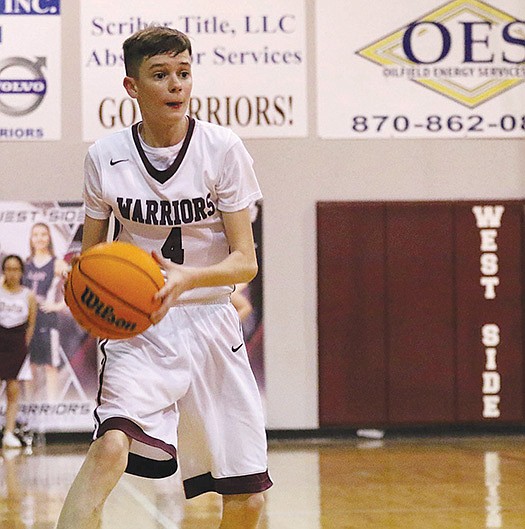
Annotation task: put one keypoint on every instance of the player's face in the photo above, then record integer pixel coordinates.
(12, 272)
(163, 87)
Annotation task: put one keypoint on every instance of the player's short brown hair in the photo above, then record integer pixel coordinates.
(151, 41)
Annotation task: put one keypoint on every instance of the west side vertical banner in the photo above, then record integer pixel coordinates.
(59, 378)
(30, 70)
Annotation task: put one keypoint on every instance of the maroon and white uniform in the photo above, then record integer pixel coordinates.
(184, 387)
(14, 312)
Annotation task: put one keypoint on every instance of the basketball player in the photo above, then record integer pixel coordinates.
(179, 188)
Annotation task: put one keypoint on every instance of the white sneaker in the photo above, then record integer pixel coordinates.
(10, 440)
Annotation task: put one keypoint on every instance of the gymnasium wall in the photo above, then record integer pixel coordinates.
(295, 175)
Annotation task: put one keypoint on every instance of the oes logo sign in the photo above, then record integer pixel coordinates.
(22, 85)
(465, 50)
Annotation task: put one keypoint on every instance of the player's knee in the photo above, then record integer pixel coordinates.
(249, 504)
(255, 502)
(112, 449)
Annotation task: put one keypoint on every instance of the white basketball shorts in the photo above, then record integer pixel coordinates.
(184, 391)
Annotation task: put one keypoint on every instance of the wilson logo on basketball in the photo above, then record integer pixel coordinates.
(106, 312)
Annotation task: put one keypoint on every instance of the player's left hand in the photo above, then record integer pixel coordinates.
(178, 279)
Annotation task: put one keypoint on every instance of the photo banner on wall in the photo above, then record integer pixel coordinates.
(249, 63)
(59, 378)
(30, 71)
(421, 69)
(248, 300)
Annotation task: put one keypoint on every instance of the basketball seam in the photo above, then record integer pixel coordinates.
(121, 260)
(124, 302)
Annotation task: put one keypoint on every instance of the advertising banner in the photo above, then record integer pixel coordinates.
(59, 379)
(249, 63)
(421, 69)
(30, 70)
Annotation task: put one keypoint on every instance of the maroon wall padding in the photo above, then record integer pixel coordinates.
(401, 312)
(351, 315)
(474, 311)
(420, 308)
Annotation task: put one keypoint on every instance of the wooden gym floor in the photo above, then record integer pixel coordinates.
(471, 482)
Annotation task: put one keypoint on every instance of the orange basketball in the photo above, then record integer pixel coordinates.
(110, 290)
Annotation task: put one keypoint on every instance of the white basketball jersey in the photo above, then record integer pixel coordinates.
(175, 211)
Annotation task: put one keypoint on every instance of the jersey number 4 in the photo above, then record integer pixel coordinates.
(172, 248)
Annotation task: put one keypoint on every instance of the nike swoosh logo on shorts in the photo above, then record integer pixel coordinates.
(235, 349)
(115, 162)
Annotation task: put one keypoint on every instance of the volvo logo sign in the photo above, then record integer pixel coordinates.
(22, 85)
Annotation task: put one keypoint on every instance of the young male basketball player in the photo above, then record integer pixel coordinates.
(183, 390)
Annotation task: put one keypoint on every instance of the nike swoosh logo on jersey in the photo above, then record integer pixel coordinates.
(235, 349)
(115, 162)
